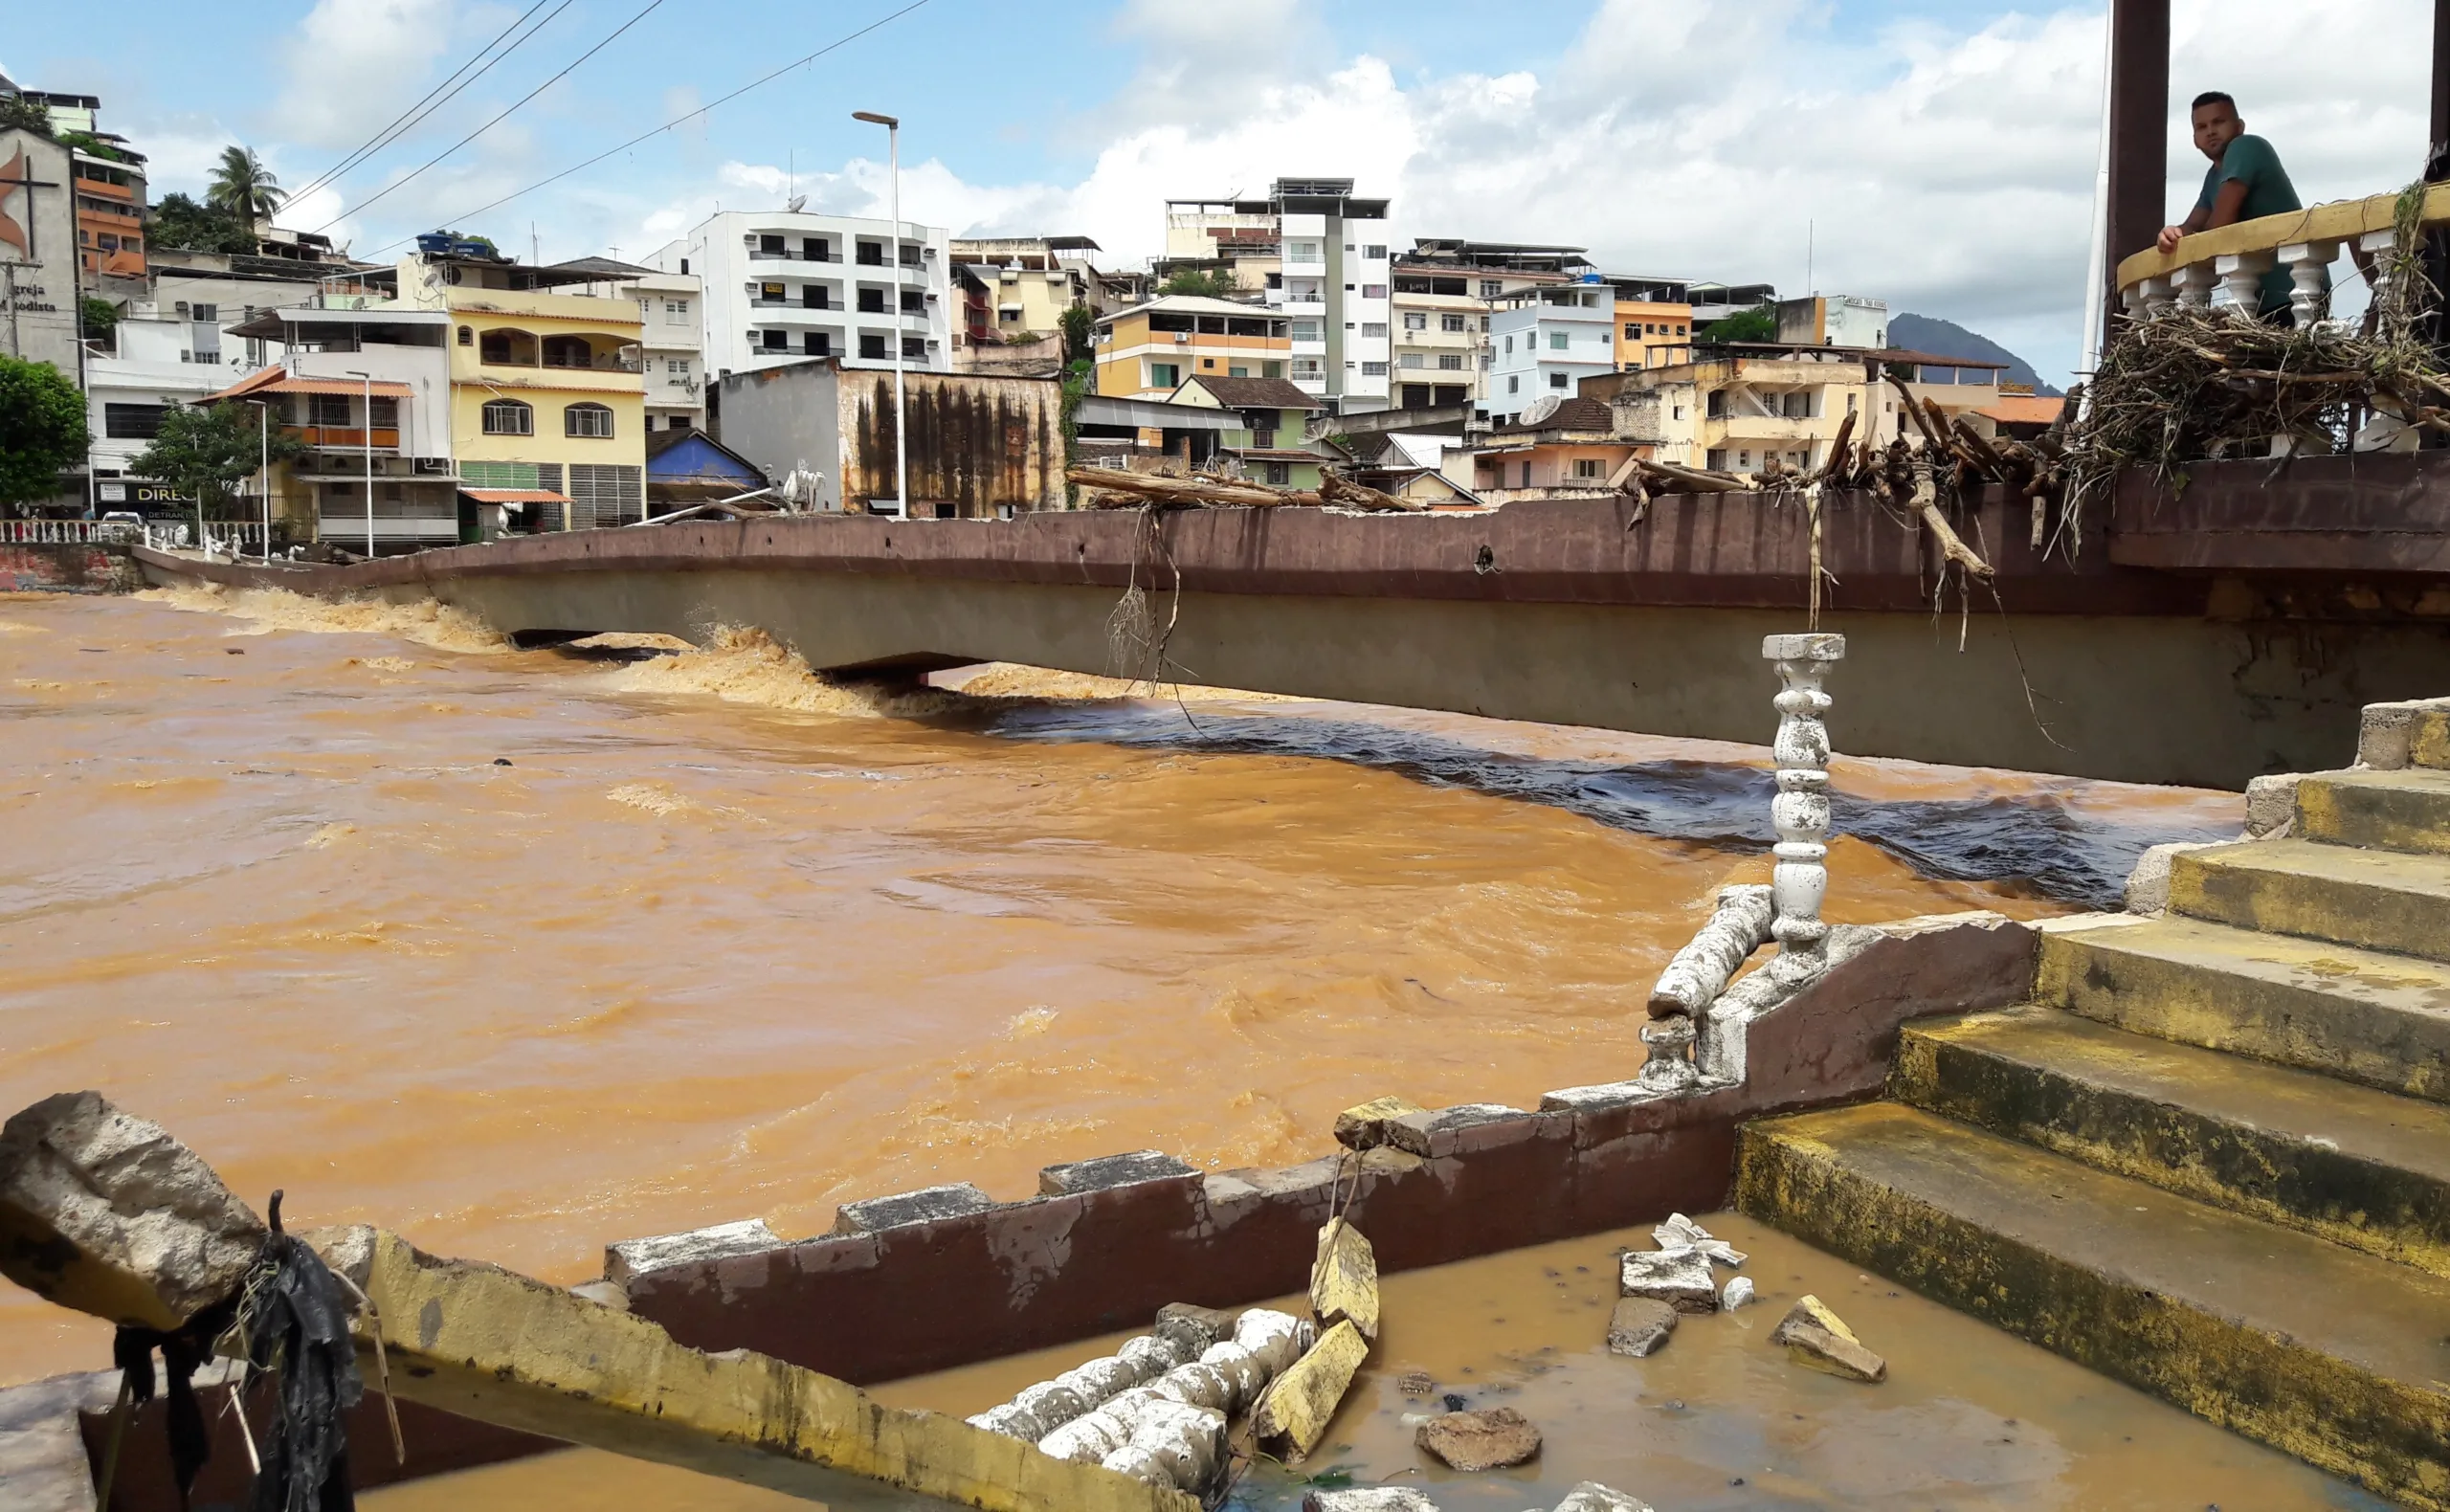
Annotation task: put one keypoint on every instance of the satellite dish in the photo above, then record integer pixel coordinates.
(796, 201)
(1539, 409)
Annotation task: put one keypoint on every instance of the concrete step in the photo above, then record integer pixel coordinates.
(2360, 1015)
(2357, 1166)
(2391, 810)
(2325, 1353)
(2376, 900)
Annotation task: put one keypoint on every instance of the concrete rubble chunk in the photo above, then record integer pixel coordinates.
(927, 1205)
(2271, 805)
(1737, 1293)
(1813, 1336)
(104, 1212)
(1370, 1499)
(1490, 1438)
(2148, 887)
(1344, 1279)
(1108, 1171)
(630, 1258)
(1639, 1327)
(1293, 1416)
(1371, 1123)
(1593, 1497)
(1680, 1230)
(1680, 1278)
(1215, 1323)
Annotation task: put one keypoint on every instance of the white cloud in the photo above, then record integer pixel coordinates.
(354, 65)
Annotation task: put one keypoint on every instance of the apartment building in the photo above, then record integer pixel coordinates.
(1713, 302)
(1150, 350)
(1834, 321)
(1546, 340)
(145, 372)
(547, 388)
(1318, 254)
(1654, 322)
(1034, 279)
(1445, 291)
(785, 285)
(366, 385)
(41, 279)
(671, 337)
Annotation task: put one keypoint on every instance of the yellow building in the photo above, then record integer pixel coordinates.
(547, 392)
(1653, 333)
(1151, 349)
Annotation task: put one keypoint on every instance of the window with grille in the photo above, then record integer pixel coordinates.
(1415, 320)
(508, 417)
(1373, 369)
(1450, 362)
(383, 414)
(133, 422)
(1452, 323)
(1373, 291)
(1587, 467)
(589, 421)
(607, 495)
(328, 409)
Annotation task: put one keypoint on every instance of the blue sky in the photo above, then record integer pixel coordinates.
(1938, 155)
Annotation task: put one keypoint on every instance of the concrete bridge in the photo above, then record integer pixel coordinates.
(2204, 638)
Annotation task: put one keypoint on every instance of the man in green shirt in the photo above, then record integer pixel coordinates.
(2244, 183)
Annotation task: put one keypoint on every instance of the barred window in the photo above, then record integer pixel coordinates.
(590, 420)
(508, 417)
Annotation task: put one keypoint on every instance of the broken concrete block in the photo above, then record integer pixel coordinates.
(1639, 1326)
(1344, 1279)
(633, 1258)
(1294, 1414)
(104, 1212)
(1679, 1232)
(927, 1205)
(1371, 1499)
(2148, 887)
(1489, 1439)
(1813, 1336)
(1215, 1323)
(1680, 1278)
(1737, 1293)
(2271, 806)
(1105, 1173)
(1368, 1126)
(1593, 1497)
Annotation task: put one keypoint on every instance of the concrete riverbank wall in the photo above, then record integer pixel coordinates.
(67, 568)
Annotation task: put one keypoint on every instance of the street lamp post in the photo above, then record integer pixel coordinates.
(901, 430)
(367, 436)
(263, 467)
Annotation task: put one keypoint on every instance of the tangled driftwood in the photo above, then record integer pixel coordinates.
(1112, 488)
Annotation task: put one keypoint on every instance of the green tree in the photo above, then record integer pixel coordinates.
(1759, 323)
(1080, 324)
(92, 146)
(178, 221)
(27, 115)
(241, 184)
(42, 429)
(96, 317)
(1216, 285)
(207, 453)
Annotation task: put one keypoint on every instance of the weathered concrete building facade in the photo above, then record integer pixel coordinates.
(980, 446)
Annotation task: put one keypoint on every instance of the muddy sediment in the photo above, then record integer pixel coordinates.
(520, 952)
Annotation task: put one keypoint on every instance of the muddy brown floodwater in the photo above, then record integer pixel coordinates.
(524, 952)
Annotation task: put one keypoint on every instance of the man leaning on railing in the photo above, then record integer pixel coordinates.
(2245, 182)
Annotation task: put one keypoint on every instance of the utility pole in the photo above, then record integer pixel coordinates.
(901, 427)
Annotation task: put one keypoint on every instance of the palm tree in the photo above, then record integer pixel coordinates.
(243, 186)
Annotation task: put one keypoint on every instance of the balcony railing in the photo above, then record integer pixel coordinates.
(2235, 259)
(385, 438)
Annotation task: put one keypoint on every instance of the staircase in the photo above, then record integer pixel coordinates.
(2212, 1158)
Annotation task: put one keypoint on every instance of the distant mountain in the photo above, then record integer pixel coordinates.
(1922, 333)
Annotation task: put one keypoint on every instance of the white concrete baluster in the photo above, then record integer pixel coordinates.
(2160, 296)
(2193, 283)
(2306, 263)
(1800, 811)
(2242, 274)
(2378, 245)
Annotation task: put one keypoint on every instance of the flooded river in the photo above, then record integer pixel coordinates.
(523, 952)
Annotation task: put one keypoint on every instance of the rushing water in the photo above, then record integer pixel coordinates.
(524, 952)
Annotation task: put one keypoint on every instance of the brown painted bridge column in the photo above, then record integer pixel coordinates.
(2139, 114)
(2437, 161)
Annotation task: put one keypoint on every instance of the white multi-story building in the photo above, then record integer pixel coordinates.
(1318, 255)
(783, 286)
(1546, 341)
(672, 339)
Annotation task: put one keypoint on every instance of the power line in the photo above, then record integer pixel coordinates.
(399, 183)
(406, 121)
(755, 83)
